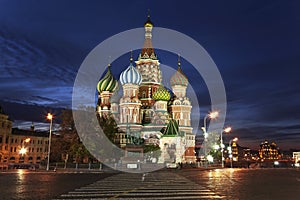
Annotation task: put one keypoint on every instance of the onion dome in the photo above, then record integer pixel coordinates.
(131, 75)
(161, 94)
(108, 82)
(179, 78)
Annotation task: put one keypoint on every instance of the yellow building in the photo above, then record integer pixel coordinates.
(20, 146)
(269, 151)
(5, 129)
(235, 151)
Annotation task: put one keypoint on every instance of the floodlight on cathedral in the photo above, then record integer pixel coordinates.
(108, 82)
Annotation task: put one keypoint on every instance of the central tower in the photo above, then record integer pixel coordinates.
(148, 66)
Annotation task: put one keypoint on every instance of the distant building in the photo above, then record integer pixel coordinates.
(36, 149)
(235, 151)
(239, 153)
(5, 130)
(269, 151)
(21, 146)
(296, 157)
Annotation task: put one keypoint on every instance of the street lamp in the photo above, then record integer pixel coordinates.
(210, 158)
(23, 149)
(49, 117)
(226, 130)
(230, 149)
(211, 115)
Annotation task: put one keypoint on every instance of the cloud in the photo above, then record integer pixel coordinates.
(33, 74)
(41, 126)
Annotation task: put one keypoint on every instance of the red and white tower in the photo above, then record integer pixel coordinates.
(148, 66)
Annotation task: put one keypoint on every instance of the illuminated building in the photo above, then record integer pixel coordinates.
(20, 146)
(148, 109)
(269, 151)
(235, 151)
(296, 157)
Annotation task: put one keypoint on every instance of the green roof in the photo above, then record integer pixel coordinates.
(172, 129)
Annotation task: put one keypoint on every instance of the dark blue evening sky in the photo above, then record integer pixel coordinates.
(255, 45)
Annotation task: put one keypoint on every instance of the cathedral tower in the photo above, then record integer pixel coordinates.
(148, 65)
(181, 111)
(130, 105)
(181, 107)
(106, 87)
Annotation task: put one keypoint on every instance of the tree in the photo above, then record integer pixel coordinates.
(68, 141)
(79, 152)
(152, 151)
(59, 146)
(67, 125)
(109, 126)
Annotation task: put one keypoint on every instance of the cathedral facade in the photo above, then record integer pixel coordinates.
(147, 109)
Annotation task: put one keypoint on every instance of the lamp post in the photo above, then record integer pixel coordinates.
(230, 150)
(49, 117)
(23, 150)
(226, 130)
(211, 115)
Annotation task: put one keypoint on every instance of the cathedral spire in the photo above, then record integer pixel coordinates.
(131, 56)
(179, 63)
(179, 77)
(109, 62)
(148, 23)
(32, 126)
(148, 50)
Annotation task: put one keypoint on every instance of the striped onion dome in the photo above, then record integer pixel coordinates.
(131, 75)
(179, 78)
(161, 94)
(108, 82)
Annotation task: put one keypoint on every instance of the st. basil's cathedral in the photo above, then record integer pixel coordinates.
(147, 109)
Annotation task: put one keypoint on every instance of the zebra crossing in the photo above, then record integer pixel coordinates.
(156, 185)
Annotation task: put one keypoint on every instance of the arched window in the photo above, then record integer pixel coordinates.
(177, 102)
